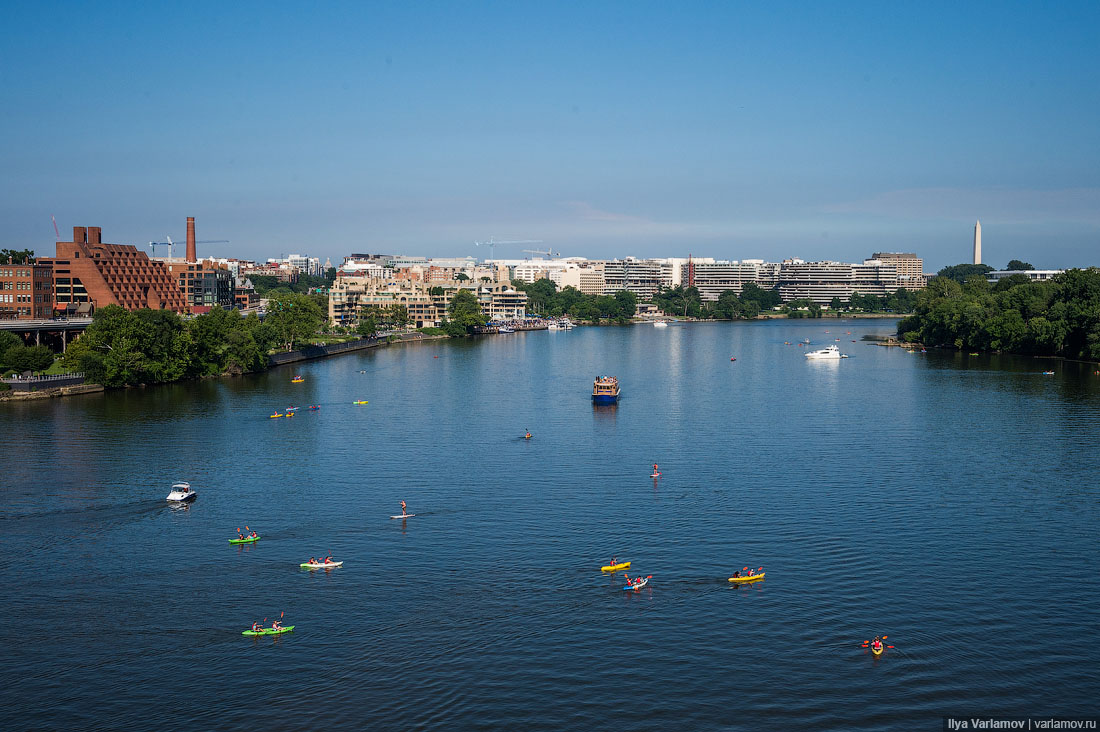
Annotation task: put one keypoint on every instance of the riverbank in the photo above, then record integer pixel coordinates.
(50, 393)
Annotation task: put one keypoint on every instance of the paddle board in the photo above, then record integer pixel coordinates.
(408, 515)
(654, 475)
(319, 565)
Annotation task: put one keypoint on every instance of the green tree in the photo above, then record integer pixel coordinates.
(367, 327)
(7, 342)
(765, 299)
(465, 311)
(461, 277)
(1015, 265)
(836, 304)
(28, 358)
(294, 318)
(959, 272)
(16, 256)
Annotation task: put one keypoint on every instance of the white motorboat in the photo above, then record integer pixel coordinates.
(554, 326)
(827, 352)
(182, 492)
(506, 329)
(660, 323)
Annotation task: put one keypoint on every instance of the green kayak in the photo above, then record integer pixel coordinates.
(249, 540)
(269, 631)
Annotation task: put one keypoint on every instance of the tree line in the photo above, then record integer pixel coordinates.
(1059, 317)
(544, 298)
(125, 347)
(753, 300)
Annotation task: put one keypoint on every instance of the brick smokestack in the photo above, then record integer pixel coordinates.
(192, 255)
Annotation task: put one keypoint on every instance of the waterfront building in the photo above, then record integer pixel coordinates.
(586, 277)
(910, 268)
(88, 271)
(26, 291)
(713, 278)
(204, 284)
(977, 242)
(1035, 275)
(352, 298)
(822, 281)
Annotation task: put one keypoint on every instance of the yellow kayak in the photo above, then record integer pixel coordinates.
(274, 416)
(361, 401)
(743, 580)
(615, 567)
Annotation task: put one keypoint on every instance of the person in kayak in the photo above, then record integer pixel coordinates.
(328, 559)
(612, 564)
(403, 511)
(256, 627)
(240, 536)
(528, 435)
(876, 644)
(253, 535)
(737, 573)
(275, 625)
(313, 560)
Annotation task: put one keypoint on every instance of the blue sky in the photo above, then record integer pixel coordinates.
(726, 129)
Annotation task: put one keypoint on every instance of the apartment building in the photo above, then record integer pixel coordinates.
(822, 281)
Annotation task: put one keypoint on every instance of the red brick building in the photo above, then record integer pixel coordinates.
(86, 270)
(26, 291)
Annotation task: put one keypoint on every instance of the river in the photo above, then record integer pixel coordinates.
(947, 501)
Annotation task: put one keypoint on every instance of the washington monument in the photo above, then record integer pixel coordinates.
(977, 242)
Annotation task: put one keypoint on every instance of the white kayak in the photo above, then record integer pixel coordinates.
(403, 516)
(320, 565)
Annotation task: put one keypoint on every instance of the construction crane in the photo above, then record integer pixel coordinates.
(171, 244)
(492, 243)
(549, 252)
(55, 231)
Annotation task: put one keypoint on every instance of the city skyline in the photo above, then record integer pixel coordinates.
(721, 131)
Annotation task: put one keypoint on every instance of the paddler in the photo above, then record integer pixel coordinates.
(328, 559)
(403, 511)
(612, 561)
(528, 435)
(312, 560)
(655, 471)
(275, 625)
(876, 644)
(737, 573)
(256, 627)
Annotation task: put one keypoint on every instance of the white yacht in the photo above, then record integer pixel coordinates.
(827, 352)
(660, 323)
(182, 492)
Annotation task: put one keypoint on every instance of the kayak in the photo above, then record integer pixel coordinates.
(743, 580)
(361, 401)
(248, 540)
(615, 567)
(274, 416)
(404, 516)
(269, 631)
(879, 651)
(320, 565)
(638, 586)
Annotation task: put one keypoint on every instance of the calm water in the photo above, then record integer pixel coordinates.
(948, 501)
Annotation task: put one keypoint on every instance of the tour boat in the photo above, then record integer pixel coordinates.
(554, 326)
(827, 352)
(181, 492)
(605, 390)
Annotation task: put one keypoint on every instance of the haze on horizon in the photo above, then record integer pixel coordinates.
(729, 130)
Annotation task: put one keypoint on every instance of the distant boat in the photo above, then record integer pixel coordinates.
(297, 379)
(505, 329)
(831, 352)
(605, 390)
(1048, 373)
(660, 323)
